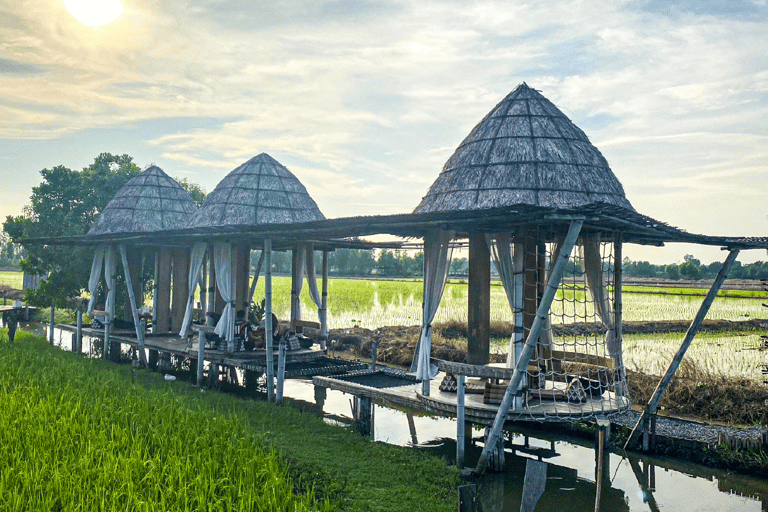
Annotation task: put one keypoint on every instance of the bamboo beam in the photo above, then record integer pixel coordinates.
(653, 403)
(323, 336)
(133, 306)
(530, 344)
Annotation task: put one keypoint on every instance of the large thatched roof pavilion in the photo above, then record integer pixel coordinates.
(151, 202)
(525, 151)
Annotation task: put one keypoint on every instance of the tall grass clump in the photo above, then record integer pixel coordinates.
(73, 437)
(84, 434)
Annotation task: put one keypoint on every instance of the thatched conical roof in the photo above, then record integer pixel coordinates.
(151, 201)
(260, 191)
(525, 151)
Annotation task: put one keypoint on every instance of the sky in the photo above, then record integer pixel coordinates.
(365, 101)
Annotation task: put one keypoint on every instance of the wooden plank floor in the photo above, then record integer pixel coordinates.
(443, 403)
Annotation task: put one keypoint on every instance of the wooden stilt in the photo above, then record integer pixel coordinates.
(268, 318)
(79, 333)
(281, 371)
(155, 294)
(460, 422)
(533, 484)
(52, 324)
(163, 291)
(689, 335)
(412, 429)
(180, 290)
(542, 313)
(599, 476)
(200, 356)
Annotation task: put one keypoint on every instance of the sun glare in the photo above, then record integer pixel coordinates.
(94, 13)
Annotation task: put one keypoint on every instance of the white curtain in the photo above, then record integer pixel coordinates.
(255, 280)
(309, 258)
(195, 267)
(598, 290)
(93, 281)
(502, 258)
(437, 262)
(109, 277)
(297, 282)
(222, 255)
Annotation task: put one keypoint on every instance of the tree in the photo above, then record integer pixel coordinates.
(66, 203)
(672, 271)
(196, 191)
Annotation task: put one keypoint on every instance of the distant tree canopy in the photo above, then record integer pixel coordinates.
(355, 262)
(692, 269)
(67, 203)
(196, 191)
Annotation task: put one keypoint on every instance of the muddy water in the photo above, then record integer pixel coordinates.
(632, 483)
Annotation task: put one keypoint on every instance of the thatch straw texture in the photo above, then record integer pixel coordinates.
(260, 191)
(525, 151)
(149, 202)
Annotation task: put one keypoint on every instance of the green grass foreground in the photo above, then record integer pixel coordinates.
(84, 434)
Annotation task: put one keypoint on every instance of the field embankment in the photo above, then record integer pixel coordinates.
(84, 434)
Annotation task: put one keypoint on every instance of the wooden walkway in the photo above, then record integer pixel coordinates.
(299, 363)
(408, 394)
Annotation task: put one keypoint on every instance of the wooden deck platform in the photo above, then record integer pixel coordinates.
(381, 386)
(299, 363)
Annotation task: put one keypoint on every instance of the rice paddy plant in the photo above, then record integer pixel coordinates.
(75, 437)
(736, 355)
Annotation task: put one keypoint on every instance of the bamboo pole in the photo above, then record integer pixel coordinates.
(134, 310)
(618, 304)
(653, 403)
(155, 288)
(599, 478)
(530, 344)
(460, 422)
(268, 319)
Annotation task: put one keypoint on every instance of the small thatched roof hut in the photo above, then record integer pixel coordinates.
(525, 151)
(149, 202)
(260, 191)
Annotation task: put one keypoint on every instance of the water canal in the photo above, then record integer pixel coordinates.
(632, 483)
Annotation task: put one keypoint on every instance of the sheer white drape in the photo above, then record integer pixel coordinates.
(255, 279)
(501, 252)
(93, 281)
(222, 255)
(297, 282)
(109, 277)
(437, 262)
(309, 266)
(598, 290)
(196, 257)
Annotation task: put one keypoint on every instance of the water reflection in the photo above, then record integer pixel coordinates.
(632, 483)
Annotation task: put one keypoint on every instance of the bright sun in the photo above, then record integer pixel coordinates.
(94, 13)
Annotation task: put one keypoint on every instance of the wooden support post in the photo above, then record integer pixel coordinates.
(281, 371)
(601, 428)
(518, 338)
(295, 299)
(479, 296)
(521, 366)
(460, 422)
(323, 336)
(653, 403)
(163, 291)
(107, 322)
(204, 288)
(530, 285)
(617, 303)
(495, 447)
(200, 356)
(180, 287)
(320, 395)
(363, 415)
(412, 429)
(268, 319)
(154, 358)
(79, 332)
(52, 324)
(241, 275)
